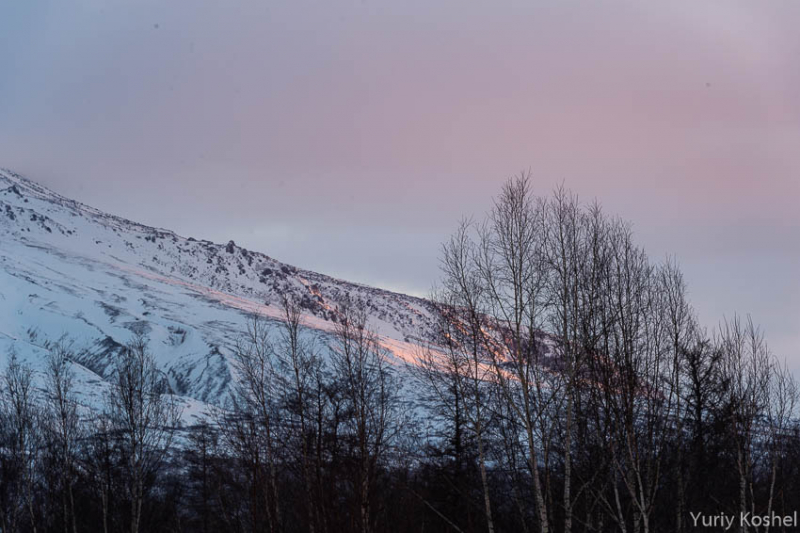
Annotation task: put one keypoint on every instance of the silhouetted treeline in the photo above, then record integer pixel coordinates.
(569, 389)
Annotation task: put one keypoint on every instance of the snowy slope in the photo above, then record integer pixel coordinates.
(67, 268)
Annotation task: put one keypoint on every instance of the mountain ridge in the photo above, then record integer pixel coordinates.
(66, 267)
(12, 179)
(152, 233)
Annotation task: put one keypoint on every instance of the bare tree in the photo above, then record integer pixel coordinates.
(19, 416)
(251, 429)
(510, 262)
(299, 366)
(567, 253)
(370, 391)
(464, 323)
(682, 332)
(784, 396)
(99, 461)
(143, 419)
(63, 427)
(746, 366)
(458, 373)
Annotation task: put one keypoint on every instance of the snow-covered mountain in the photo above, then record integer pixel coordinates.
(67, 268)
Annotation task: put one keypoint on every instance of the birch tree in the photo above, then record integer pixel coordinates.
(143, 419)
(368, 386)
(63, 426)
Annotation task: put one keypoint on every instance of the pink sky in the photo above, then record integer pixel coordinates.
(349, 137)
